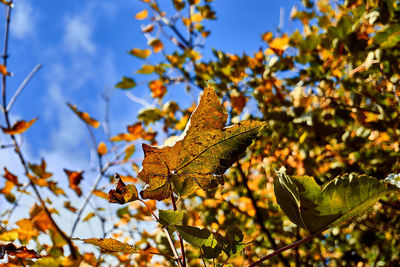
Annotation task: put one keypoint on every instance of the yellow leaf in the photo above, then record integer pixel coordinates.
(156, 44)
(196, 18)
(102, 149)
(142, 14)
(280, 43)
(19, 127)
(84, 116)
(100, 194)
(140, 53)
(267, 37)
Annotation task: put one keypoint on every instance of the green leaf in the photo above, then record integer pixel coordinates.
(193, 235)
(150, 115)
(110, 245)
(233, 239)
(168, 217)
(316, 209)
(126, 83)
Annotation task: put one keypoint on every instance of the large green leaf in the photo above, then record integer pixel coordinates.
(317, 209)
(200, 156)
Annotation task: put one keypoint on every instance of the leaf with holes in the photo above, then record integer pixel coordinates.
(200, 156)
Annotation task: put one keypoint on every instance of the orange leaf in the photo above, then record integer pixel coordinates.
(142, 14)
(123, 137)
(84, 116)
(157, 88)
(102, 149)
(20, 252)
(156, 44)
(40, 170)
(123, 193)
(279, 43)
(100, 194)
(7, 188)
(3, 70)
(40, 219)
(145, 53)
(19, 127)
(10, 177)
(74, 178)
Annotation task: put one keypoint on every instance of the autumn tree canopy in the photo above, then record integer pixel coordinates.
(310, 176)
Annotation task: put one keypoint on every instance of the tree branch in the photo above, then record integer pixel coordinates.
(259, 216)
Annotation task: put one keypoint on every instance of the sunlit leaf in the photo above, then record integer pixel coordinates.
(102, 149)
(156, 44)
(129, 150)
(19, 127)
(158, 89)
(193, 235)
(84, 116)
(146, 69)
(3, 70)
(100, 194)
(10, 177)
(19, 252)
(89, 216)
(126, 83)
(110, 245)
(142, 14)
(123, 193)
(74, 179)
(40, 170)
(145, 53)
(170, 217)
(200, 156)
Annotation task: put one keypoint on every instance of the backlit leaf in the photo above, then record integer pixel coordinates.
(74, 179)
(19, 127)
(193, 235)
(3, 70)
(89, 216)
(110, 245)
(145, 53)
(123, 193)
(10, 177)
(317, 209)
(142, 14)
(156, 44)
(100, 194)
(170, 217)
(126, 83)
(84, 116)
(19, 252)
(200, 155)
(158, 89)
(102, 149)
(40, 170)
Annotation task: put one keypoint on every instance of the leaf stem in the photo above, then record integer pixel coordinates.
(279, 251)
(179, 236)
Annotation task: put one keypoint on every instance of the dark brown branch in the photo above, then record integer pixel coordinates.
(279, 251)
(259, 217)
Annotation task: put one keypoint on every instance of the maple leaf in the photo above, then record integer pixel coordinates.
(200, 156)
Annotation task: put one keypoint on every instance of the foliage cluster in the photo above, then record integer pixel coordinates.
(328, 111)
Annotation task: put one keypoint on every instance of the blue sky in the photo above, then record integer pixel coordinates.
(83, 48)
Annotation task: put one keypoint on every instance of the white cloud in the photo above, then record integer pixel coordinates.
(24, 19)
(78, 35)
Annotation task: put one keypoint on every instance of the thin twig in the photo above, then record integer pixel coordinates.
(167, 234)
(22, 86)
(88, 196)
(279, 251)
(259, 217)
